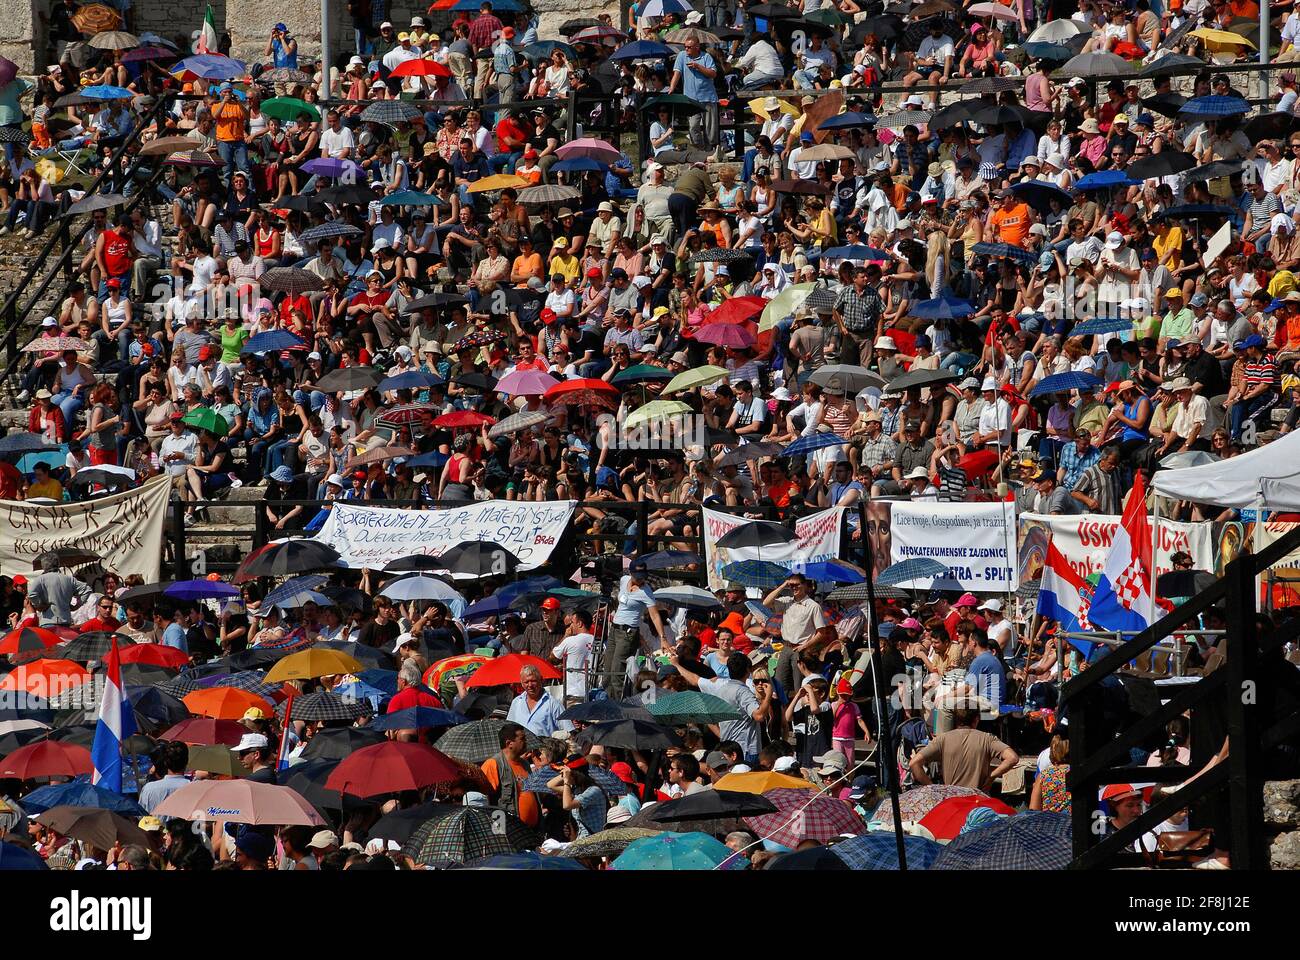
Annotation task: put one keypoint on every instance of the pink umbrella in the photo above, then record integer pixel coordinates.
(725, 335)
(525, 383)
(239, 801)
(592, 148)
(800, 817)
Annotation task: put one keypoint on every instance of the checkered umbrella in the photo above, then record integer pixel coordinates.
(390, 111)
(756, 573)
(469, 834)
(691, 706)
(902, 118)
(328, 230)
(594, 711)
(916, 568)
(819, 299)
(1029, 590)
(324, 706)
(180, 686)
(249, 681)
(1034, 840)
(917, 802)
(291, 280)
(858, 591)
(610, 784)
(548, 193)
(291, 592)
(879, 851)
(477, 741)
(93, 645)
(802, 816)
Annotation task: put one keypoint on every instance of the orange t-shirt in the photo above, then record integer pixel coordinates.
(529, 810)
(1011, 224)
(229, 119)
(531, 265)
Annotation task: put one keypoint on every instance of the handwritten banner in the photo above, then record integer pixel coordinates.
(374, 537)
(125, 529)
(818, 538)
(976, 541)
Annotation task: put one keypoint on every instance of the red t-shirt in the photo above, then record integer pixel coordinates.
(106, 624)
(289, 304)
(10, 481)
(370, 299)
(507, 129)
(117, 253)
(954, 618)
(413, 697)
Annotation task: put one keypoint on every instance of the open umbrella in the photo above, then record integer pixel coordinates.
(392, 767)
(689, 597)
(478, 740)
(800, 817)
(339, 743)
(205, 730)
(812, 442)
(756, 533)
(78, 793)
(630, 734)
(1096, 65)
(526, 383)
(1065, 382)
(45, 678)
(946, 819)
(23, 442)
(29, 640)
(878, 850)
(756, 573)
(95, 18)
(505, 670)
(46, 758)
(1216, 106)
(691, 706)
(240, 801)
(94, 645)
(224, 703)
(420, 588)
(479, 558)
(323, 705)
(592, 148)
(1162, 164)
(418, 718)
(471, 833)
(846, 378)
(761, 781)
(311, 663)
(1033, 840)
(1059, 31)
(704, 376)
(711, 805)
(290, 556)
(420, 68)
(677, 851)
(658, 410)
(93, 825)
(390, 112)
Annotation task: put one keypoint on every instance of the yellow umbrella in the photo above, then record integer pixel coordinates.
(49, 170)
(311, 663)
(1221, 39)
(690, 379)
(498, 181)
(783, 304)
(787, 105)
(656, 410)
(761, 781)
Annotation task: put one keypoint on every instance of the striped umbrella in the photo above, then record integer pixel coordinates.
(29, 640)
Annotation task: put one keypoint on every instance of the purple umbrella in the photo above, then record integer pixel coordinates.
(200, 590)
(331, 167)
(525, 383)
(140, 54)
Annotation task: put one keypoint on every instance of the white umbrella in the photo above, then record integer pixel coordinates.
(1058, 31)
(420, 588)
(688, 597)
(995, 10)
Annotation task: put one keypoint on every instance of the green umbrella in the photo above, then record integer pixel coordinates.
(289, 108)
(656, 410)
(829, 18)
(215, 759)
(412, 198)
(205, 418)
(783, 304)
(641, 372)
(690, 706)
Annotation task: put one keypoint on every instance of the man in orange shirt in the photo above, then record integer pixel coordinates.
(1011, 219)
(507, 772)
(231, 119)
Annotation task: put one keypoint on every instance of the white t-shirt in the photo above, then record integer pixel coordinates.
(576, 653)
(332, 142)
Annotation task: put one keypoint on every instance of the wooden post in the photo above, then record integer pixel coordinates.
(1245, 778)
(180, 565)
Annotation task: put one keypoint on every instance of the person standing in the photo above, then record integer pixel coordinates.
(507, 771)
(635, 601)
(231, 120)
(693, 74)
(801, 618)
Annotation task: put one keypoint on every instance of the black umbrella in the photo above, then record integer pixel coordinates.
(304, 202)
(415, 561)
(1184, 583)
(923, 378)
(711, 805)
(324, 705)
(155, 711)
(477, 741)
(65, 557)
(437, 299)
(347, 193)
(630, 734)
(145, 674)
(350, 378)
(1165, 104)
(1213, 170)
(569, 27)
(772, 11)
(479, 559)
(727, 255)
(1010, 113)
(998, 84)
(10, 742)
(1163, 164)
(1270, 126)
(858, 591)
(24, 442)
(885, 27)
(600, 711)
(482, 702)
(348, 598)
(750, 452)
(292, 556)
(143, 591)
(400, 824)
(960, 112)
(812, 28)
(340, 742)
(308, 778)
(757, 533)
(1172, 63)
(476, 381)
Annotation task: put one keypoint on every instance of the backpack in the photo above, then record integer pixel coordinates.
(913, 735)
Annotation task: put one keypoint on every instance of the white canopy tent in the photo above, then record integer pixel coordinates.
(1267, 477)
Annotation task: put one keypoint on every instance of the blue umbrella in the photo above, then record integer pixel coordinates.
(1102, 325)
(292, 588)
(756, 573)
(1042, 50)
(643, 50)
(493, 606)
(332, 167)
(356, 691)
(1215, 106)
(14, 857)
(541, 584)
(811, 442)
(1034, 840)
(666, 559)
(1104, 180)
(541, 49)
(848, 121)
(431, 459)
(944, 307)
(608, 782)
(272, 341)
(1040, 195)
(853, 251)
(577, 164)
(528, 860)
(211, 66)
(1005, 250)
(385, 680)
(419, 718)
(472, 6)
(200, 590)
(914, 568)
(828, 571)
(410, 380)
(302, 597)
(879, 851)
(661, 8)
(1065, 382)
(78, 793)
(677, 851)
(412, 198)
(103, 91)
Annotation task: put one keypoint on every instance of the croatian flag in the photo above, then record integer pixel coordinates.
(116, 723)
(1125, 595)
(1063, 595)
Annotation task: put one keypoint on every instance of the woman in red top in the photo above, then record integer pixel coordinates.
(456, 474)
(46, 419)
(267, 238)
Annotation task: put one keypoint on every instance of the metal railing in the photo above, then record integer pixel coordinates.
(1098, 759)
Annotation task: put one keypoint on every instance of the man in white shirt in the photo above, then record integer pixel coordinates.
(336, 140)
(933, 60)
(574, 651)
(761, 67)
(178, 449)
(146, 236)
(995, 420)
(801, 169)
(400, 53)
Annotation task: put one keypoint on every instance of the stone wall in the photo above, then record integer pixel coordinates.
(18, 28)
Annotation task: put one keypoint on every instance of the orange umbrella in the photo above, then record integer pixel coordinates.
(224, 703)
(504, 670)
(46, 678)
(96, 18)
(761, 781)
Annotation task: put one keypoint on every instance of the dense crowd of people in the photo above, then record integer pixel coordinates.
(991, 251)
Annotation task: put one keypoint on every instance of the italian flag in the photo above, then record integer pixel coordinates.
(208, 35)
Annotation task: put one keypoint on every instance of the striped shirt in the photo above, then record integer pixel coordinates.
(1261, 211)
(1263, 370)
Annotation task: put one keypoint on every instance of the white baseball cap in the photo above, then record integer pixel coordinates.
(250, 741)
(1114, 239)
(995, 605)
(402, 640)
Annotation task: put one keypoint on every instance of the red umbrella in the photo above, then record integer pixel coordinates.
(725, 335)
(205, 731)
(403, 414)
(158, 654)
(462, 418)
(737, 310)
(586, 391)
(46, 758)
(947, 818)
(420, 68)
(503, 670)
(392, 767)
(28, 638)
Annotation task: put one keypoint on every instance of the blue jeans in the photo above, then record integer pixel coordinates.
(235, 155)
(1244, 410)
(595, 368)
(274, 456)
(505, 161)
(305, 398)
(69, 404)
